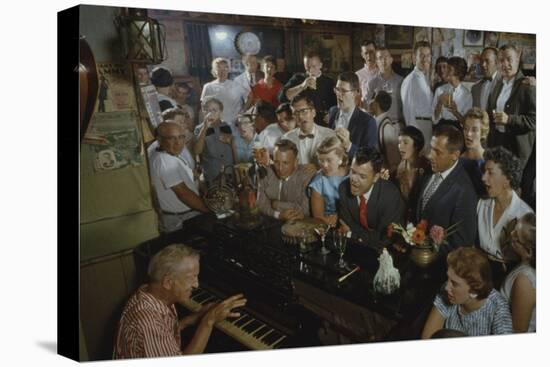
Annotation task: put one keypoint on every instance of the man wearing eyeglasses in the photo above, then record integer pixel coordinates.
(354, 127)
(317, 86)
(172, 178)
(308, 135)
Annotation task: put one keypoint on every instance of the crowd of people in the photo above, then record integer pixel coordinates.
(369, 149)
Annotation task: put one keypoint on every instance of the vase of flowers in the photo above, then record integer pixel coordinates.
(425, 244)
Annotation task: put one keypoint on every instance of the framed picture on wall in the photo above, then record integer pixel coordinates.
(399, 36)
(334, 49)
(473, 38)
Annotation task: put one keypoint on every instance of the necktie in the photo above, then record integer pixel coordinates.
(310, 136)
(431, 189)
(363, 212)
(252, 79)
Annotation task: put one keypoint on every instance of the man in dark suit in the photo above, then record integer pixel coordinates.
(447, 196)
(319, 88)
(353, 126)
(512, 108)
(482, 89)
(368, 204)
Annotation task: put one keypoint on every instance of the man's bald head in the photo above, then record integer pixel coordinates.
(171, 138)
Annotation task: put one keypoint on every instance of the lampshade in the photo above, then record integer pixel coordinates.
(143, 39)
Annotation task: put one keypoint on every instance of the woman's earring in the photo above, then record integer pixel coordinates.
(473, 295)
(340, 162)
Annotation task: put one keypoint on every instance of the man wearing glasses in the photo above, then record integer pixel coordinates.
(354, 127)
(308, 135)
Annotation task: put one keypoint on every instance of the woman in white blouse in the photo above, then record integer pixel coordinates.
(452, 100)
(501, 177)
(519, 287)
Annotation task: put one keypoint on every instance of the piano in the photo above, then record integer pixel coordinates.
(247, 329)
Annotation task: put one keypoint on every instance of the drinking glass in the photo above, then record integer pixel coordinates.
(322, 232)
(340, 242)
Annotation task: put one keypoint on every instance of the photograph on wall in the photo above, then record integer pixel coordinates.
(116, 91)
(120, 141)
(296, 240)
(473, 38)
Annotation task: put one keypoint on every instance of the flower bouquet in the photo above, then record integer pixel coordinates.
(425, 243)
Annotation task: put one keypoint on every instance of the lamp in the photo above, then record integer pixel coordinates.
(143, 38)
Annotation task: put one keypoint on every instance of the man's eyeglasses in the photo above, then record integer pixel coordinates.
(302, 111)
(342, 91)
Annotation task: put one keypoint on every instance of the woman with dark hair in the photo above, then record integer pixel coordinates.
(441, 70)
(519, 287)
(268, 88)
(469, 303)
(413, 164)
(501, 177)
(452, 100)
(475, 129)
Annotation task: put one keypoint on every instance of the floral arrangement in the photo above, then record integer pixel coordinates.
(420, 236)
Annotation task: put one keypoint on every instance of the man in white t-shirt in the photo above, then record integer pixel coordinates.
(176, 190)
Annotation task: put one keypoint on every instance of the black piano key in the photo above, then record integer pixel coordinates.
(261, 332)
(272, 337)
(252, 326)
(201, 297)
(243, 321)
(278, 343)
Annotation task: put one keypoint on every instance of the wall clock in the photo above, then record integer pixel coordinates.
(248, 43)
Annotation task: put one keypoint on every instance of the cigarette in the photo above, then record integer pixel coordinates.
(344, 277)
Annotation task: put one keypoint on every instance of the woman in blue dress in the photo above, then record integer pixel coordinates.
(333, 161)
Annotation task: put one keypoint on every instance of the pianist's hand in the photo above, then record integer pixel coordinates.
(224, 309)
(195, 316)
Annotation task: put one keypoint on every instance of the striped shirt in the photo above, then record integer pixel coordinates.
(147, 328)
(490, 319)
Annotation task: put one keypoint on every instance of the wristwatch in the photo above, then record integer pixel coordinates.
(248, 43)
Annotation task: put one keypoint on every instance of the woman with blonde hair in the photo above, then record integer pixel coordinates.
(333, 161)
(519, 287)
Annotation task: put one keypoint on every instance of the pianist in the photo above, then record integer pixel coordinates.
(149, 325)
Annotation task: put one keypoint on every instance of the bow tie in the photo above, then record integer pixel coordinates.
(311, 136)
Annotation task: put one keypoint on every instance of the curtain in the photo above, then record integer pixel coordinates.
(200, 52)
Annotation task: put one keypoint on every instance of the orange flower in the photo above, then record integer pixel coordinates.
(423, 225)
(419, 237)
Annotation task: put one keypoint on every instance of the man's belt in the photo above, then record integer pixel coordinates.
(179, 213)
(423, 118)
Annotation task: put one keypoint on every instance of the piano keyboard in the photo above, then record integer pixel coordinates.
(246, 329)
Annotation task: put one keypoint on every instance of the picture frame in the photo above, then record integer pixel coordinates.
(334, 49)
(473, 38)
(399, 36)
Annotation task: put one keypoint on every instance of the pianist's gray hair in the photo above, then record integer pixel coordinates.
(169, 261)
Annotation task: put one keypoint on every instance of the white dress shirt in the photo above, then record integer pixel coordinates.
(343, 118)
(503, 98)
(461, 96)
(307, 148)
(416, 96)
(489, 235)
(270, 136)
